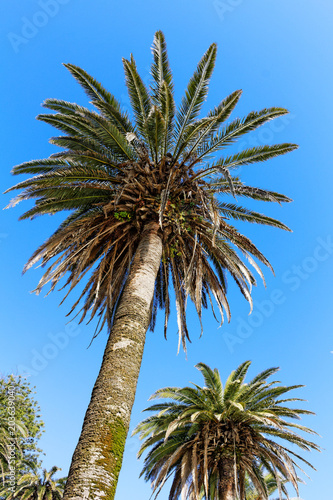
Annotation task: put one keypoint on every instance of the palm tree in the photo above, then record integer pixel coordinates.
(212, 437)
(33, 487)
(146, 210)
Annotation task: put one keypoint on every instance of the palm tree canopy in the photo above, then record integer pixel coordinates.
(200, 429)
(32, 486)
(115, 176)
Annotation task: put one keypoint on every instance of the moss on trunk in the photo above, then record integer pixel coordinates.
(113, 445)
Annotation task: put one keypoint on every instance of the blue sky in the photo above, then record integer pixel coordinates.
(279, 53)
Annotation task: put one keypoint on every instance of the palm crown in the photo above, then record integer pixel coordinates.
(115, 177)
(214, 437)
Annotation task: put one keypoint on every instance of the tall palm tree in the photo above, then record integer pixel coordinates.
(148, 207)
(32, 486)
(211, 437)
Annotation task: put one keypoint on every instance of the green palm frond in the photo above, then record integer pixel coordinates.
(139, 96)
(97, 127)
(92, 87)
(230, 133)
(252, 155)
(236, 212)
(38, 167)
(168, 112)
(160, 68)
(203, 129)
(240, 189)
(195, 95)
(102, 99)
(162, 89)
(155, 132)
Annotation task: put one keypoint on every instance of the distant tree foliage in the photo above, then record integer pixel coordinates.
(33, 486)
(21, 427)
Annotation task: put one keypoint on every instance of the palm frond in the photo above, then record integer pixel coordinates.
(236, 129)
(249, 156)
(200, 130)
(160, 68)
(139, 96)
(156, 132)
(195, 95)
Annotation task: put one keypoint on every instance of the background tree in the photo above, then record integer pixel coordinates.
(26, 427)
(32, 486)
(11, 435)
(216, 436)
(271, 485)
(147, 209)
(250, 492)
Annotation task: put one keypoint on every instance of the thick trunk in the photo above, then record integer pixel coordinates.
(98, 456)
(227, 480)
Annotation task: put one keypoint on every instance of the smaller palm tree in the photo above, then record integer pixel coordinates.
(32, 486)
(212, 438)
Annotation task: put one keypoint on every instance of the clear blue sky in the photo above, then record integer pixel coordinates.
(280, 54)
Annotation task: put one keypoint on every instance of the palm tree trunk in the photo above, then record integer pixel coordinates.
(98, 456)
(227, 480)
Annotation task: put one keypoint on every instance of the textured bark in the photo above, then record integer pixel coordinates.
(227, 480)
(98, 456)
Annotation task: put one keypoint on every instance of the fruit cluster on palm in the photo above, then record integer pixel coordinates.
(212, 439)
(149, 207)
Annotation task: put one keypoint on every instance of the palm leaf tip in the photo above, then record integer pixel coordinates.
(160, 67)
(195, 95)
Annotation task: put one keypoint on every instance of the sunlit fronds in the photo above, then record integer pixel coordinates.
(252, 155)
(139, 96)
(230, 133)
(195, 95)
(160, 68)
